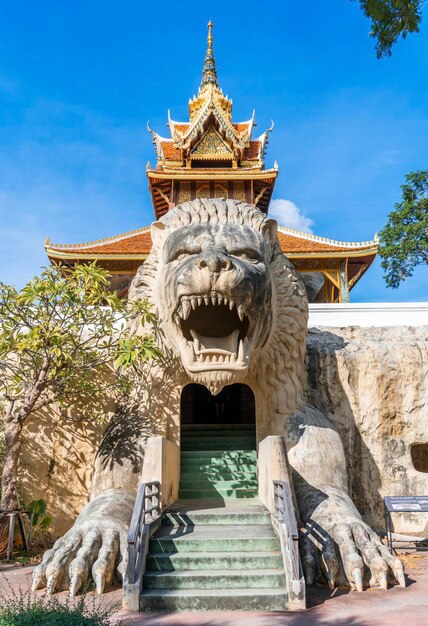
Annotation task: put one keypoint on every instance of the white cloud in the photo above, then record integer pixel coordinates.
(288, 214)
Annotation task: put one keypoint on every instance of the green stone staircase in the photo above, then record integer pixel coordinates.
(216, 548)
(218, 463)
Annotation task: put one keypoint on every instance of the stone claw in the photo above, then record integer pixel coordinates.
(310, 574)
(51, 584)
(331, 568)
(75, 584)
(358, 578)
(382, 580)
(39, 581)
(399, 575)
(100, 582)
(331, 580)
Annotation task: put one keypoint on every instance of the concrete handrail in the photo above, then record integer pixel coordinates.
(160, 477)
(274, 477)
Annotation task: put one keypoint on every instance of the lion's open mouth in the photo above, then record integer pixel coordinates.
(215, 330)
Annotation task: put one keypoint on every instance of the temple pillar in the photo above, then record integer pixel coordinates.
(344, 285)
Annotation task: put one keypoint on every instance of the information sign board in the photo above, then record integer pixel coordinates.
(406, 504)
(402, 504)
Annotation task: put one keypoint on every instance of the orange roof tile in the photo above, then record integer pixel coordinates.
(297, 242)
(241, 126)
(170, 152)
(135, 242)
(139, 243)
(252, 152)
(182, 126)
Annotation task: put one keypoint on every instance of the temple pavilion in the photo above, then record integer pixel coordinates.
(211, 156)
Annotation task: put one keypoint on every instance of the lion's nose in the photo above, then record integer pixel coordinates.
(214, 262)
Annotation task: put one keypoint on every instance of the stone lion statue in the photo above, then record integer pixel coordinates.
(231, 309)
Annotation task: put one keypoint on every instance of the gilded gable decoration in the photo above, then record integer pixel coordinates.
(211, 146)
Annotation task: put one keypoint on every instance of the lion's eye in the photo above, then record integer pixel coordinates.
(181, 255)
(247, 255)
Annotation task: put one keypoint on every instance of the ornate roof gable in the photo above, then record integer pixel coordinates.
(211, 146)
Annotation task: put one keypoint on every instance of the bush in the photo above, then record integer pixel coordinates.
(24, 608)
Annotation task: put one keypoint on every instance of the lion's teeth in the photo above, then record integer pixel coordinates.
(214, 300)
(180, 312)
(233, 357)
(231, 304)
(194, 303)
(199, 300)
(241, 350)
(200, 357)
(206, 300)
(186, 309)
(214, 359)
(225, 300)
(177, 319)
(220, 358)
(219, 299)
(241, 311)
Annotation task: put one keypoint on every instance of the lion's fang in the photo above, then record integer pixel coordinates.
(186, 309)
(241, 351)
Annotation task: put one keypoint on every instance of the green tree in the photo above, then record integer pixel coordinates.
(404, 240)
(62, 339)
(390, 20)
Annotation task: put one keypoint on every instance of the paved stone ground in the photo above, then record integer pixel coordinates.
(396, 607)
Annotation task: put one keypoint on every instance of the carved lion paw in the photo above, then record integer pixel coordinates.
(87, 550)
(346, 552)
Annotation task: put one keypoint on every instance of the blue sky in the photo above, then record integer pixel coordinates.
(79, 80)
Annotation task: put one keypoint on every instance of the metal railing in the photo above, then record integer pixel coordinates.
(284, 514)
(147, 509)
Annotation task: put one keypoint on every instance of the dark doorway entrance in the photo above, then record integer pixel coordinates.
(233, 405)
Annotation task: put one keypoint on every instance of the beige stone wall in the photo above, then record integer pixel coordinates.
(373, 384)
(57, 461)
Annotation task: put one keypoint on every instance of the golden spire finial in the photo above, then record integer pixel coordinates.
(210, 37)
(209, 73)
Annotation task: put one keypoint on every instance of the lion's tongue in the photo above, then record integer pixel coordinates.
(215, 345)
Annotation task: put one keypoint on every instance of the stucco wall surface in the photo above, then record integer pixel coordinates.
(57, 460)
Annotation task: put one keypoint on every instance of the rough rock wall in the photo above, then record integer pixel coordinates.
(373, 384)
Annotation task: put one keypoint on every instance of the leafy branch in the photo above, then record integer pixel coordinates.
(404, 239)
